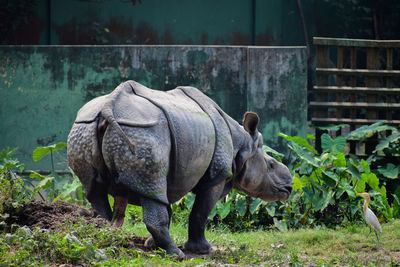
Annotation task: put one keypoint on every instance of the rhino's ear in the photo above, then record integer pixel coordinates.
(250, 122)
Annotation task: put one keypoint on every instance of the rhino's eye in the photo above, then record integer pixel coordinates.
(269, 163)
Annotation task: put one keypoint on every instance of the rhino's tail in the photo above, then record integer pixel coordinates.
(108, 114)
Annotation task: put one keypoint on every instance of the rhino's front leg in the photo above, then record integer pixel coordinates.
(149, 243)
(156, 219)
(203, 204)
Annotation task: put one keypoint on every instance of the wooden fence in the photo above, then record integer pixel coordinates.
(359, 87)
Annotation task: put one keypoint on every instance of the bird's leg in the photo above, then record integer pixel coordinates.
(377, 238)
(370, 230)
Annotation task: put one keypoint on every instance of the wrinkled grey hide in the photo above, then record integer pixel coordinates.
(150, 148)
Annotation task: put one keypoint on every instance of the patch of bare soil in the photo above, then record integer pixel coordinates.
(53, 216)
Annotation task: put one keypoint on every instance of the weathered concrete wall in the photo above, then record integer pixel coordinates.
(42, 87)
(276, 81)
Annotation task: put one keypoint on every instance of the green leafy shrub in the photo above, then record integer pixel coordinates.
(54, 186)
(324, 185)
(328, 183)
(13, 193)
(385, 159)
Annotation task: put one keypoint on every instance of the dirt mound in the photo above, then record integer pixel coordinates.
(53, 216)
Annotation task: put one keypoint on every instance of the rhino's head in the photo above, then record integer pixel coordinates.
(258, 174)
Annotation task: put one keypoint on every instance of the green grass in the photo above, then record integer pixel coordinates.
(107, 247)
(344, 245)
(348, 246)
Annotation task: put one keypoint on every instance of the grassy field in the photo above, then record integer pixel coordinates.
(342, 246)
(84, 245)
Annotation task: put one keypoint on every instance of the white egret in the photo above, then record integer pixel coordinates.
(370, 217)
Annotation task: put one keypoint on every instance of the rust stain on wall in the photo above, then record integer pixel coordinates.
(120, 28)
(145, 34)
(71, 33)
(266, 38)
(241, 39)
(168, 37)
(114, 31)
(204, 38)
(29, 34)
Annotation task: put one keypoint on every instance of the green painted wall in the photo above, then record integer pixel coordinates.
(276, 91)
(193, 22)
(206, 22)
(42, 87)
(151, 22)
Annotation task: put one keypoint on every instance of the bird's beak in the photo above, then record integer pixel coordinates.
(363, 195)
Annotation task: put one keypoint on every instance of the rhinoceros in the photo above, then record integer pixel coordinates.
(150, 148)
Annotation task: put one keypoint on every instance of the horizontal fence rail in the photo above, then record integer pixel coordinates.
(357, 83)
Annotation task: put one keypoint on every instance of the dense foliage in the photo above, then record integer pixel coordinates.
(13, 193)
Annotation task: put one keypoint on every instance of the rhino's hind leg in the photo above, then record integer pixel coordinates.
(203, 204)
(157, 218)
(97, 196)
